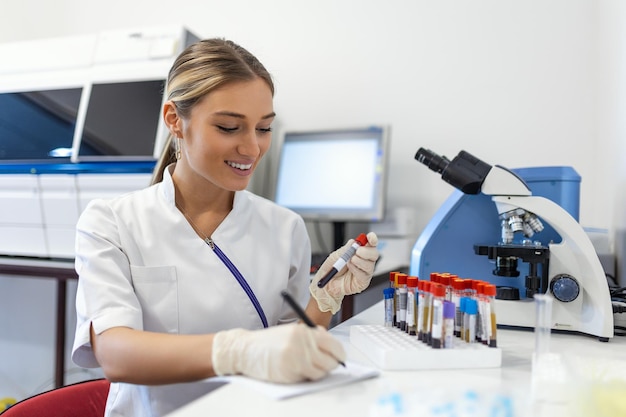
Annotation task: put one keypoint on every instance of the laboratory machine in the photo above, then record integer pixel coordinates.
(80, 118)
(517, 229)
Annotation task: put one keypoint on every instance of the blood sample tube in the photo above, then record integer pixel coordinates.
(393, 283)
(392, 277)
(361, 240)
(471, 311)
(449, 312)
(411, 310)
(480, 319)
(469, 287)
(490, 311)
(427, 312)
(421, 297)
(389, 309)
(402, 299)
(396, 302)
(465, 318)
(457, 293)
(438, 296)
(444, 279)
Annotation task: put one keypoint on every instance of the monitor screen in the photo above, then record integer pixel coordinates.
(38, 124)
(122, 120)
(334, 175)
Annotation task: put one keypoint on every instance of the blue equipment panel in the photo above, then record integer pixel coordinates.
(109, 167)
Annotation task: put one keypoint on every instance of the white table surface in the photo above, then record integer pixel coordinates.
(404, 392)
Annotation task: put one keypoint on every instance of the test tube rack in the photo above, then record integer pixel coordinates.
(391, 349)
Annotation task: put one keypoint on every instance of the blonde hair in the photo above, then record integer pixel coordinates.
(201, 68)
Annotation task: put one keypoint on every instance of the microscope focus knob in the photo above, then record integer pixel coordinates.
(565, 288)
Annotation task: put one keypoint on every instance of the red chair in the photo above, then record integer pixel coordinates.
(83, 399)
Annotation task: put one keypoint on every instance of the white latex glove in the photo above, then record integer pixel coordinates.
(352, 279)
(286, 353)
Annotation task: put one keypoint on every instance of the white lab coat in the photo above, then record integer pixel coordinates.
(141, 265)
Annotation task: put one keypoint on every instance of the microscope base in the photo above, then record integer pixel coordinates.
(521, 313)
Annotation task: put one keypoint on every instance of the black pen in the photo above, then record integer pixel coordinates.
(300, 312)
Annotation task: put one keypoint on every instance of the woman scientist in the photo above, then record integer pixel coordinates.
(182, 281)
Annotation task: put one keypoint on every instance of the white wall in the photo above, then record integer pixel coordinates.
(517, 83)
(513, 82)
(611, 121)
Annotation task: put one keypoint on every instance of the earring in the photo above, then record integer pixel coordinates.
(178, 145)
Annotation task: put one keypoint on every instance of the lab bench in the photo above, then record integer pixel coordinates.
(398, 390)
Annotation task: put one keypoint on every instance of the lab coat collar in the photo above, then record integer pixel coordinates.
(167, 188)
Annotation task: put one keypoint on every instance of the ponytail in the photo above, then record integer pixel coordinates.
(168, 156)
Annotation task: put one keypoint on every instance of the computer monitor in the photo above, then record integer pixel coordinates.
(335, 175)
(38, 124)
(122, 121)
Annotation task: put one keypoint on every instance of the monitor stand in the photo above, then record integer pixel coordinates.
(339, 235)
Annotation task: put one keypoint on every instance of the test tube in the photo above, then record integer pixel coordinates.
(438, 295)
(464, 318)
(490, 311)
(476, 285)
(426, 319)
(396, 302)
(402, 299)
(445, 279)
(471, 311)
(361, 240)
(458, 287)
(411, 311)
(549, 384)
(388, 293)
(449, 311)
(393, 283)
(392, 277)
(421, 302)
(543, 325)
(481, 332)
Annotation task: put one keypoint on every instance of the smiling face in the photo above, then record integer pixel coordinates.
(225, 136)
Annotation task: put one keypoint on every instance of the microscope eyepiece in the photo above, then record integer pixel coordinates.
(465, 171)
(432, 160)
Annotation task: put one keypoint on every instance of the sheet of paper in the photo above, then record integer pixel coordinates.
(340, 376)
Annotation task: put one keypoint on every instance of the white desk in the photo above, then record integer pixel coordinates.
(359, 399)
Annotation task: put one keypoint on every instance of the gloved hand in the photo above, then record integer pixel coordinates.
(285, 353)
(352, 279)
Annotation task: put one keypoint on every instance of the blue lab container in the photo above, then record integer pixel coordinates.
(560, 184)
(464, 220)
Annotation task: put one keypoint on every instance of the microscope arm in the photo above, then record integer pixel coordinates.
(501, 181)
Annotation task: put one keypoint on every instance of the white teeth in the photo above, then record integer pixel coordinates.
(239, 166)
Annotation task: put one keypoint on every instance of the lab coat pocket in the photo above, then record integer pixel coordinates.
(157, 292)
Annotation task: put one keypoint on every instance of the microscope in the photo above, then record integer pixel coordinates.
(570, 270)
